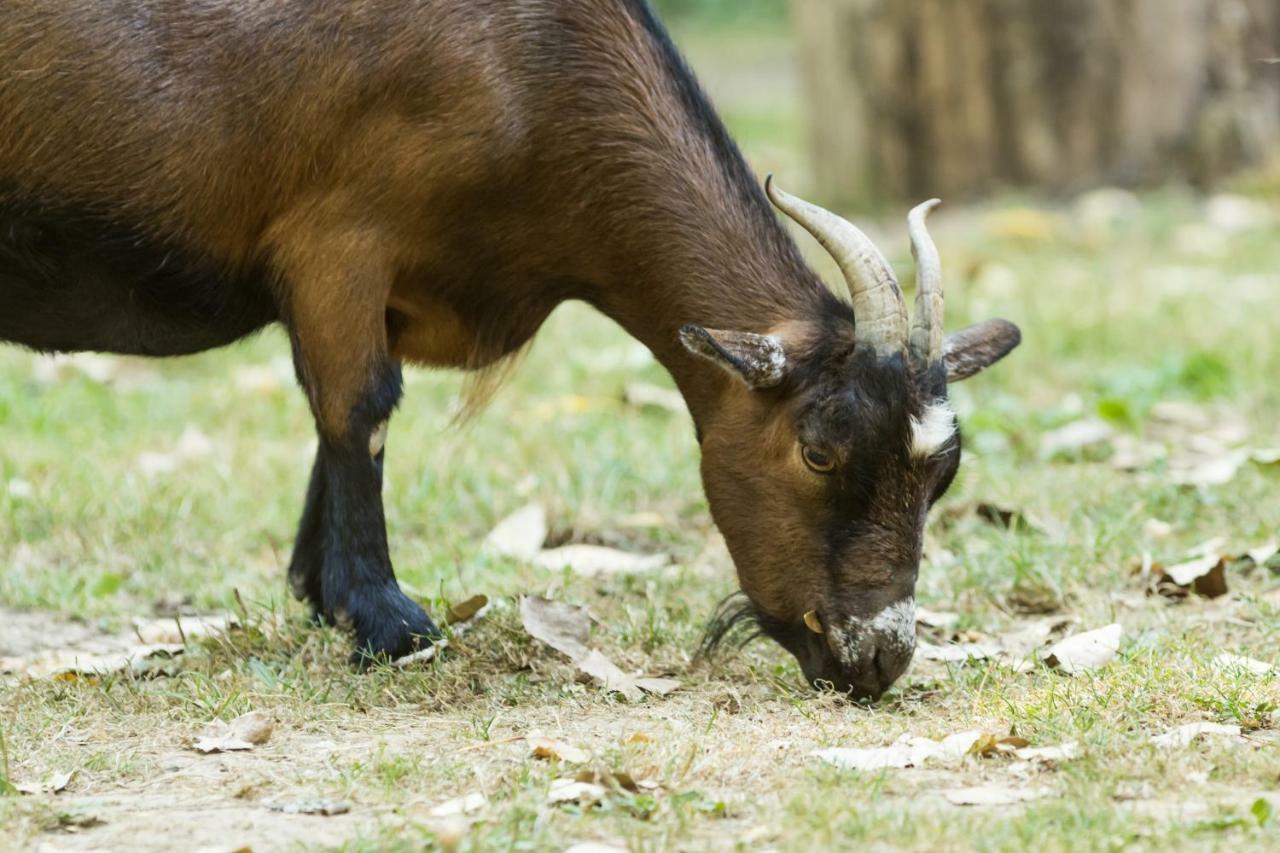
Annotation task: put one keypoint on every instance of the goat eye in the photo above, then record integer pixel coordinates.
(817, 460)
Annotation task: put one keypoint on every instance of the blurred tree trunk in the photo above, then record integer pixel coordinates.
(912, 98)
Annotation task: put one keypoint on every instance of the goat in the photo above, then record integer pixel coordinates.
(422, 182)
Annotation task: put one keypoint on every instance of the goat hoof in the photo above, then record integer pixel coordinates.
(388, 625)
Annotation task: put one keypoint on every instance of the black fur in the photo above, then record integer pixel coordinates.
(74, 277)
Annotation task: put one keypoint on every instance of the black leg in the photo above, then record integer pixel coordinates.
(308, 548)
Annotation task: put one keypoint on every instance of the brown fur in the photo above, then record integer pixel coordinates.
(426, 180)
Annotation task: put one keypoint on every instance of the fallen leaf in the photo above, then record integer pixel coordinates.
(519, 535)
(466, 804)
(1205, 470)
(1263, 553)
(573, 791)
(993, 795)
(956, 652)
(642, 395)
(1049, 754)
(1086, 651)
(1232, 664)
(541, 746)
(1183, 735)
(593, 560)
(1075, 436)
(562, 626)
(1184, 574)
(906, 751)
(324, 808)
(466, 611)
(56, 783)
(599, 667)
(243, 733)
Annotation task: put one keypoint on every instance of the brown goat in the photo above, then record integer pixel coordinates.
(423, 181)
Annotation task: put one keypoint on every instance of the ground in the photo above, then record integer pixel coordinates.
(133, 489)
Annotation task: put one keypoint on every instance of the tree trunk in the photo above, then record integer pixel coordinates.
(913, 98)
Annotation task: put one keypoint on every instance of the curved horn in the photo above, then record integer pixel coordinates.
(880, 312)
(926, 327)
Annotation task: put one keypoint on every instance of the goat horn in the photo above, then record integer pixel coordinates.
(926, 327)
(878, 307)
(812, 622)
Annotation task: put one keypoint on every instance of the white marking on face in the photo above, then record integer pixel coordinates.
(894, 626)
(933, 429)
(378, 439)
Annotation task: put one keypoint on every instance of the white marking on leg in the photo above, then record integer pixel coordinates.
(933, 429)
(378, 439)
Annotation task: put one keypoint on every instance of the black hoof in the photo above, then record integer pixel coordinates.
(388, 625)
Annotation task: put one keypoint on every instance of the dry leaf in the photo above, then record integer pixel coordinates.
(465, 612)
(1183, 735)
(1263, 553)
(1049, 754)
(519, 535)
(463, 805)
(1232, 664)
(1087, 651)
(573, 791)
(593, 560)
(563, 627)
(955, 652)
(54, 784)
(993, 795)
(1075, 436)
(642, 394)
(599, 667)
(541, 746)
(243, 733)
(906, 751)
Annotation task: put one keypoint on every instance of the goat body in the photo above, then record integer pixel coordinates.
(424, 181)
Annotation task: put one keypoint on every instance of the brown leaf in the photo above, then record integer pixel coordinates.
(465, 611)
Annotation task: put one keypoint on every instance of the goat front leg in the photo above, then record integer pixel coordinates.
(335, 311)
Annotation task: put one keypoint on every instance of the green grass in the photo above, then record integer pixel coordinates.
(1115, 320)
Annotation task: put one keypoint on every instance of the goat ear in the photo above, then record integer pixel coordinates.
(758, 360)
(974, 349)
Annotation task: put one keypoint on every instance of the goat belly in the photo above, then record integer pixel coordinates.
(74, 278)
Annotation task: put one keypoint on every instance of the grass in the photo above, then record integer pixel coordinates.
(1116, 318)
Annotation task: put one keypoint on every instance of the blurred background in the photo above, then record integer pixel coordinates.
(899, 99)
